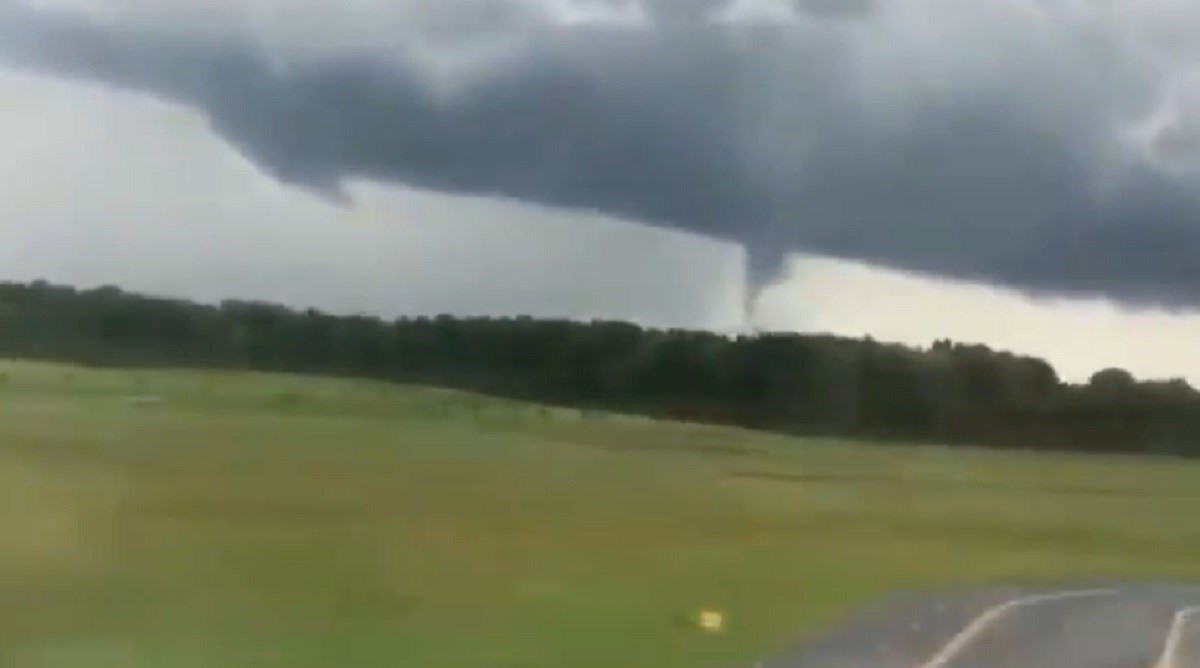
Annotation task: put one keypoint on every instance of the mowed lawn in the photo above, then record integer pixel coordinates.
(166, 519)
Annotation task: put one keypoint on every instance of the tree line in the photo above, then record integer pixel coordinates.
(802, 384)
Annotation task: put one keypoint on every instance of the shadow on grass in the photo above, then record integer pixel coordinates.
(929, 482)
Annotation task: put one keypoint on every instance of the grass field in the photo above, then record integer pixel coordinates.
(168, 519)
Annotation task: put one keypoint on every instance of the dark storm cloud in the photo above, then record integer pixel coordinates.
(845, 128)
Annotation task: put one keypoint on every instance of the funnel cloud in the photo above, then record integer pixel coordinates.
(1052, 146)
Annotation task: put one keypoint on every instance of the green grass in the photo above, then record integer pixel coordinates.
(170, 519)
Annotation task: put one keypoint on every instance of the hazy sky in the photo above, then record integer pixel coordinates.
(257, 149)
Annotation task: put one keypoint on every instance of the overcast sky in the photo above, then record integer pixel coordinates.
(1018, 172)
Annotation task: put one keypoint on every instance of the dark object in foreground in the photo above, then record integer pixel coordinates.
(1089, 626)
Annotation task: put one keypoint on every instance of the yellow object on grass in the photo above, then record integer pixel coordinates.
(711, 621)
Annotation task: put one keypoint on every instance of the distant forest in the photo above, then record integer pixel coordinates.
(799, 384)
